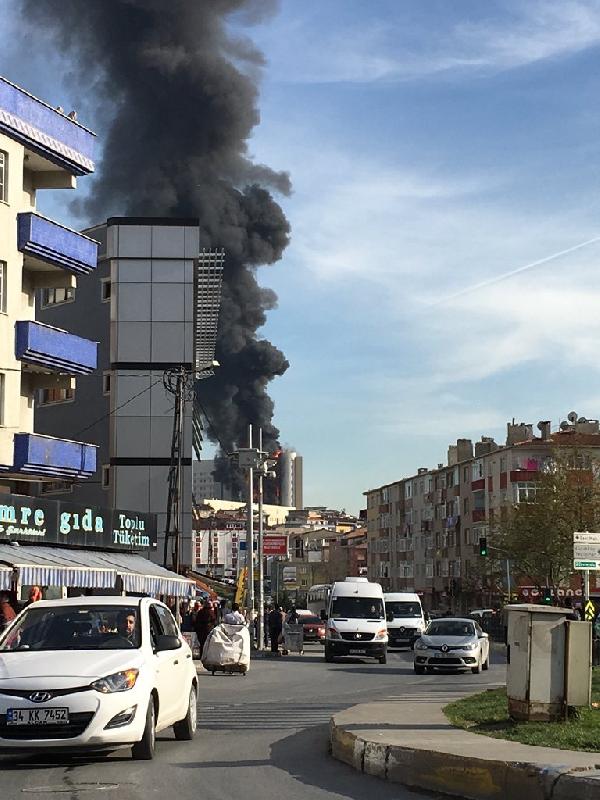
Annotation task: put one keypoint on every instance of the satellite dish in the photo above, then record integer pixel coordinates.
(582, 419)
(564, 425)
(572, 416)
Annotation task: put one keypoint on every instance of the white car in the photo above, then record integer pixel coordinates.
(95, 673)
(452, 643)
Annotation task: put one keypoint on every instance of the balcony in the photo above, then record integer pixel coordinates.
(57, 458)
(53, 142)
(51, 349)
(46, 244)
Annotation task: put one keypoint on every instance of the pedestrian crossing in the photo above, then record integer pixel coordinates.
(265, 716)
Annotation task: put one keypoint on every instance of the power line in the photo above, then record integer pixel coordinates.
(114, 410)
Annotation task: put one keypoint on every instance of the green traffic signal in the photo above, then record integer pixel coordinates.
(483, 549)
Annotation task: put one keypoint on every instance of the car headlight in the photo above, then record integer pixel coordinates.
(117, 682)
(470, 646)
(333, 634)
(381, 634)
(421, 646)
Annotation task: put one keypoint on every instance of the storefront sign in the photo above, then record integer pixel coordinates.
(36, 520)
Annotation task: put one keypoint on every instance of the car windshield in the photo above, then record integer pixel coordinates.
(451, 627)
(74, 628)
(311, 620)
(403, 609)
(357, 607)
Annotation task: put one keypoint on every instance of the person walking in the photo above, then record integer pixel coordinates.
(275, 628)
(235, 617)
(204, 623)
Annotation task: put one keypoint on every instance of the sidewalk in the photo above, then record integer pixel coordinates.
(408, 740)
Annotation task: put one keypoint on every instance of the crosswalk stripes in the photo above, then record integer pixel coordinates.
(265, 716)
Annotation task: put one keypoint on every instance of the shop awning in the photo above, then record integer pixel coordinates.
(61, 566)
(58, 566)
(6, 574)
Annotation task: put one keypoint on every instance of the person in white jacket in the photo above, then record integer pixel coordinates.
(234, 617)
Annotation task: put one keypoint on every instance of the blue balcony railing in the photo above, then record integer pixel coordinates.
(59, 458)
(47, 241)
(53, 349)
(44, 130)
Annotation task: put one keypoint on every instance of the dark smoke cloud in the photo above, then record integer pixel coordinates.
(175, 99)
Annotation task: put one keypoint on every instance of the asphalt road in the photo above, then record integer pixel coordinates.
(260, 737)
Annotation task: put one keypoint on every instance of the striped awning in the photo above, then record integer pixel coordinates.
(6, 574)
(61, 566)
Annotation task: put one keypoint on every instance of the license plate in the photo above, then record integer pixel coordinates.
(356, 651)
(37, 716)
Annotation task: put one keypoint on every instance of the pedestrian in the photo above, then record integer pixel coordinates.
(7, 612)
(266, 625)
(275, 627)
(204, 623)
(34, 594)
(293, 616)
(234, 617)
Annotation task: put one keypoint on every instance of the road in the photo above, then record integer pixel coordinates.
(260, 737)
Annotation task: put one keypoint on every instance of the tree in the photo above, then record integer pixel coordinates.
(536, 534)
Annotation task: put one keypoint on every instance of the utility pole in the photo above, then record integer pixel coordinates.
(261, 563)
(250, 536)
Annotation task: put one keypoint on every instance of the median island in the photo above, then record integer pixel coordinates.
(487, 713)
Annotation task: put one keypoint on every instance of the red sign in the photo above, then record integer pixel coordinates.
(275, 546)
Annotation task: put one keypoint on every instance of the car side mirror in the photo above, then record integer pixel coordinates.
(167, 642)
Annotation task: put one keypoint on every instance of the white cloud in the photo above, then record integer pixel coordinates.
(375, 50)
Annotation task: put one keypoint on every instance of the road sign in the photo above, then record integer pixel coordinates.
(587, 564)
(585, 537)
(586, 552)
(590, 610)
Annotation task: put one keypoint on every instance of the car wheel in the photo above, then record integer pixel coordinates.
(383, 659)
(144, 749)
(419, 670)
(476, 670)
(185, 729)
(486, 664)
(328, 656)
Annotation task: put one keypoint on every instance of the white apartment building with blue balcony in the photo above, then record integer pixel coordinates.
(40, 148)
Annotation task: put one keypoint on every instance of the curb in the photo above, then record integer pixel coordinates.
(465, 776)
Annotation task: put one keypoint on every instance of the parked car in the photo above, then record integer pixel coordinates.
(314, 628)
(452, 643)
(95, 673)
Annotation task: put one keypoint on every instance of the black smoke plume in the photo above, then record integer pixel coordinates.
(175, 96)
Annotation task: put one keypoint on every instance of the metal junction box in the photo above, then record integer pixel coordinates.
(549, 662)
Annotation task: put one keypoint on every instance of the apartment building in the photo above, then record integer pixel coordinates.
(424, 530)
(41, 148)
(139, 306)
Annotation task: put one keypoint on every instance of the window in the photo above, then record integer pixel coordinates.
(525, 492)
(60, 395)
(3, 286)
(106, 290)
(105, 476)
(166, 620)
(3, 176)
(54, 297)
(106, 382)
(466, 505)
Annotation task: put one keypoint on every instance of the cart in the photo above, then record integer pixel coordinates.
(293, 639)
(227, 649)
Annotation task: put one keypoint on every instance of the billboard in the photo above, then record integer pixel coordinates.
(275, 545)
(289, 576)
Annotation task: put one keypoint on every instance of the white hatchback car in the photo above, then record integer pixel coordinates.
(452, 643)
(95, 673)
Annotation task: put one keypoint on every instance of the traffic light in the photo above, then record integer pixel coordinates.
(547, 598)
(483, 549)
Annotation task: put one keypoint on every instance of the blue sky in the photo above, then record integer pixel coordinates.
(433, 146)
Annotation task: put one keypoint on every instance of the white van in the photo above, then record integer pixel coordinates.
(356, 620)
(405, 618)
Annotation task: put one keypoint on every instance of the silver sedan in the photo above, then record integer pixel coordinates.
(452, 643)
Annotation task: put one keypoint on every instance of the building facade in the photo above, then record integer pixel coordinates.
(423, 531)
(139, 306)
(289, 468)
(204, 485)
(40, 148)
